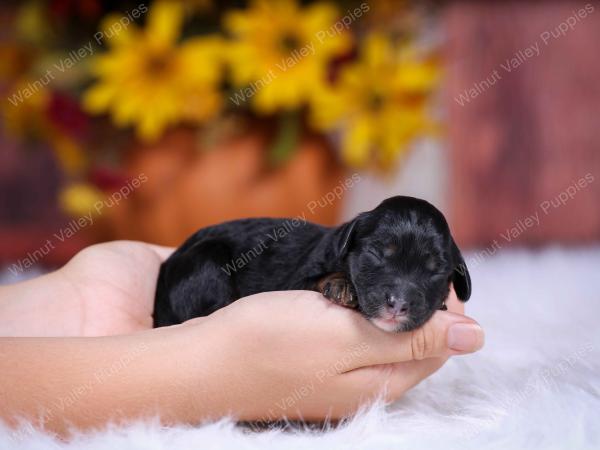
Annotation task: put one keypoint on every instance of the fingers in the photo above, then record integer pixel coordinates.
(454, 304)
(162, 251)
(445, 334)
(393, 380)
(405, 376)
(195, 321)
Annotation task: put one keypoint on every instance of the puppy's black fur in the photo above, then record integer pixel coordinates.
(394, 264)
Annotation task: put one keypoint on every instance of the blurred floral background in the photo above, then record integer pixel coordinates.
(125, 120)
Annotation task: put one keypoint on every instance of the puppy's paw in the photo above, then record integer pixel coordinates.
(337, 289)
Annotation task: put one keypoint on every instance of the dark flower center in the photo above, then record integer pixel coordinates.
(375, 101)
(290, 42)
(158, 64)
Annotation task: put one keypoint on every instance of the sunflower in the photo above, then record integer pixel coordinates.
(280, 52)
(149, 81)
(379, 103)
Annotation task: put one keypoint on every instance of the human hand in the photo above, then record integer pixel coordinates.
(106, 289)
(266, 357)
(295, 355)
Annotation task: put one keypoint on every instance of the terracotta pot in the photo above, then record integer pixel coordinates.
(189, 186)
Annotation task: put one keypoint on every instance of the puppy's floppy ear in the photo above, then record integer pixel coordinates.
(344, 238)
(460, 276)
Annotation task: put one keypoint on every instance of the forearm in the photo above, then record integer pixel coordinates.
(266, 357)
(37, 307)
(87, 382)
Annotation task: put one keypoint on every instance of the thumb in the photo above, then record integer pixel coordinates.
(445, 334)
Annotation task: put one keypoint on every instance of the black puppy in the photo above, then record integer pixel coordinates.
(394, 264)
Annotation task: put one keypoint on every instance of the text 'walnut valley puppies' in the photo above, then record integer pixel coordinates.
(393, 264)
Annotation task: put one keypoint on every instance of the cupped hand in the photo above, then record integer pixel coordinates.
(106, 289)
(115, 284)
(294, 355)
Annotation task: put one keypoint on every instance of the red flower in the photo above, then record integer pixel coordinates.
(66, 115)
(84, 9)
(107, 179)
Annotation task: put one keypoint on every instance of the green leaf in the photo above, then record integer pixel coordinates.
(286, 138)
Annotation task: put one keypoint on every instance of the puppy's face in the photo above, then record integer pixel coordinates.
(401, 260)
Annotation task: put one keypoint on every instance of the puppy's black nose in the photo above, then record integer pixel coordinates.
(396, 305)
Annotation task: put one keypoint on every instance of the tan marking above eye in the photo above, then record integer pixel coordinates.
(431, 263)
(390, 249)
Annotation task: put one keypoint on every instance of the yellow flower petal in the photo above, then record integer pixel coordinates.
(68, 152)
(164, 23)
(79, 199)
(98, 98)
(357, 143)
(417, 77)
(116, 32)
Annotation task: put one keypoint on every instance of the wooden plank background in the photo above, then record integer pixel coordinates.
(532, 130)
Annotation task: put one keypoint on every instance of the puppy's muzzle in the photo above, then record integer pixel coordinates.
(396, 306)
(400, 299)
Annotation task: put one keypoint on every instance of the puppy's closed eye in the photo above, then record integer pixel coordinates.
(375, 253)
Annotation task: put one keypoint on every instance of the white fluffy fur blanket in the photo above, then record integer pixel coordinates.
(535, 385)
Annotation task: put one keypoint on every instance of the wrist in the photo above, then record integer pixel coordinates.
(37, 307)
(193, 373)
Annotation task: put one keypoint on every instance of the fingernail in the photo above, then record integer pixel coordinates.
(465, 337)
